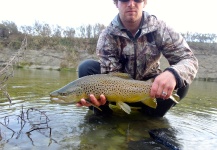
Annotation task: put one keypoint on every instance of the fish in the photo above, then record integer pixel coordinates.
(117, 87)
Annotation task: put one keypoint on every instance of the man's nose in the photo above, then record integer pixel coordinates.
(131, 3)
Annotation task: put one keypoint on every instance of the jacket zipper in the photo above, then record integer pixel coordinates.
(135, 58)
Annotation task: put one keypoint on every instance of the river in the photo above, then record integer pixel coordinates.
(32, 121)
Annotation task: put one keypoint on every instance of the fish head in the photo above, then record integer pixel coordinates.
(68, 94)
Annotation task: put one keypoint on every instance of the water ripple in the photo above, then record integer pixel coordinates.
(194, 118)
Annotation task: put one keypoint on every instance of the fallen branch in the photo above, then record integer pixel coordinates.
(6, 70)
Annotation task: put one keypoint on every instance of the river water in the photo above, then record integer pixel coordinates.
(32, 121)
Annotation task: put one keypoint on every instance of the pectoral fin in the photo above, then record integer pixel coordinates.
(124, 106)
(150, 102)
(93, 104)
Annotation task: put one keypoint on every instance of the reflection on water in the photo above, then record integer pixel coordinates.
(191, 124)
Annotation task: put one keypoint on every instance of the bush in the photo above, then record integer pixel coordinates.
(15, 45)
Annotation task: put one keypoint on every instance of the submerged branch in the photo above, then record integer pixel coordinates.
(37, 121)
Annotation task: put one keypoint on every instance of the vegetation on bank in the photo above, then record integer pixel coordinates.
(44, 36)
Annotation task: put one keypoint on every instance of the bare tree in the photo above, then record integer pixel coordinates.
(57, 31)
(97, 29)
(69, 32)
(82, 31)
(88, 31)
(37, 28)
(27, 30)
(46, 30)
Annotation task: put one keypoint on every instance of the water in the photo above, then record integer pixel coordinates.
(189, 125)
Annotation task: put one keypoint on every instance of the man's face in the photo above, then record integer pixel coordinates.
(130, 11)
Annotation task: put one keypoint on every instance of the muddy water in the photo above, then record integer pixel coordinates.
(32, 121)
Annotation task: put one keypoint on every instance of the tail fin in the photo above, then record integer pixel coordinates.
(175, 97)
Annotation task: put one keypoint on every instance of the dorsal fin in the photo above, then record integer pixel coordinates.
(120, 75)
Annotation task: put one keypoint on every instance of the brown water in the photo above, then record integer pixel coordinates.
(192, 124)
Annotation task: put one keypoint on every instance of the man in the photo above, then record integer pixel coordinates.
(133, 43)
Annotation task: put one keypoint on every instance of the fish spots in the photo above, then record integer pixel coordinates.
(113, 87)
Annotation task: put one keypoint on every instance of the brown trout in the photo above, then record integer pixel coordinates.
(117, 87)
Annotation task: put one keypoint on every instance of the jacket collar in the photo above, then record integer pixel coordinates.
(146, 24)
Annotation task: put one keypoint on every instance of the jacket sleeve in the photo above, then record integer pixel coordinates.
(183, 63)
(108, 53)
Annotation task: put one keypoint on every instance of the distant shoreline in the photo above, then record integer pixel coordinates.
(59, 60)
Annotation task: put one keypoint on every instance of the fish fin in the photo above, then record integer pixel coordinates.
(151, 102)
(120, 75)
(124, 106)
(93, 104)
(175, 97)
(150, 80)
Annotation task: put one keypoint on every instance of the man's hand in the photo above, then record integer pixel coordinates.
(163, 85)
(93, 100)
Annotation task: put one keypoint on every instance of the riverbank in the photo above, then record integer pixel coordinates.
(58, 60)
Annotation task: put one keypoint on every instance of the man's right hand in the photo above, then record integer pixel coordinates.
(93, 100)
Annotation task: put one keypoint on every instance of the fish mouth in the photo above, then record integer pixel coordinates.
(58, 99)
(54, 98)
(61, 100)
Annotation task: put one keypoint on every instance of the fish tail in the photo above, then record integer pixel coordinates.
(175, 97)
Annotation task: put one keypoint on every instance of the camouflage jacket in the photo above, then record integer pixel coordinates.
(140, 56)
